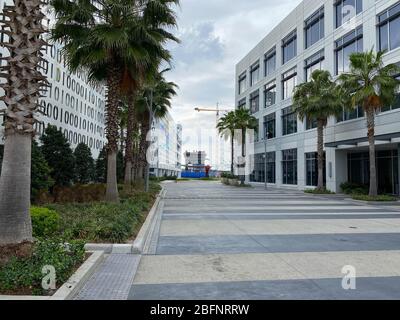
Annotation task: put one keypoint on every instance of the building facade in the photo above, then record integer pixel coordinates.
(70, 103)
(167, 147)
(320, 34)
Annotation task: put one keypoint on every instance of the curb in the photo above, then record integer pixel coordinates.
(74, 283)
(148, 226)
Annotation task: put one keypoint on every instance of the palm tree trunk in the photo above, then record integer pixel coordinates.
(129, 141)
(320, 146)
(373, 189)
(15, 182)
(112, 134)
(143, 147)
(22, 23)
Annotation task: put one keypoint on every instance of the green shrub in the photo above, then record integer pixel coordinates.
(25, 274)
(316, 191)
(381, 198)
(354, 188)
(45, 222)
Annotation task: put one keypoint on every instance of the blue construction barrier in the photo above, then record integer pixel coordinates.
(193, 175)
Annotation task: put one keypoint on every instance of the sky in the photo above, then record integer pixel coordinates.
(215, 35)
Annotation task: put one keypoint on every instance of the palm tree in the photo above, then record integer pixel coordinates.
(23, 86)
(103, 37)
(318, 100)
(244, 121)
(371, 85)
(226, 127)
(154, 102)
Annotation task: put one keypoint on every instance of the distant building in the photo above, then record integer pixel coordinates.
(195, 158)
(167, 147)
(70, 104)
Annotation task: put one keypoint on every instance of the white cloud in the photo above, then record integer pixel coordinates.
(215, 35)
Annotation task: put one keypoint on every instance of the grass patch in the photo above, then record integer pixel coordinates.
(380, 198)
(317, 191)
(21, 266)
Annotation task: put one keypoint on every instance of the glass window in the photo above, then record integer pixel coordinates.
(396, 103)
(314, 28)
(346, 10)
(242, 83)
(351, 114)
(270, 94)
(312, 169)
(311, 123)
(389, 28)
(254, 74)
(255, 102)
(289, 47)
(270, 62)
(348, 44)
(289, 121)
(289, 82)
(270, 126)
(242, 103)
(259, 168)
(315, 62)
(289, 166)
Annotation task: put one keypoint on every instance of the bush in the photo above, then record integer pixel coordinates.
(354, 188)
(45, 222)
(380, 198)
(41, 179)
(229, 176)
(84, 164)
(24, 274)
(316, 191)
(77, 193)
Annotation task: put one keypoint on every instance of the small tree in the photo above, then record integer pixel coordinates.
(58, 154)
(84, 164)
(101, 166)
(40, 172)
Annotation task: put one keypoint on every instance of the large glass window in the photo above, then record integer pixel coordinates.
(311, 123)
(315, 62)
(255, 102)
(348, 44)
(312, 169)
(270, 62)
(346, 10)
(270, 126)
(242, 83)
(396, 103)
(289, 47)
(258, 174)
(289, 166)
(389, 28)
(254, 74)
(289, 121)
(351, 114)
(314, 28)
(270, 94)
(289, 82)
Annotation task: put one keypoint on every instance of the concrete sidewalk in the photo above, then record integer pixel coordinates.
(221, 242)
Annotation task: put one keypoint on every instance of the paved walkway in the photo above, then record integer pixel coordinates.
(221, 242)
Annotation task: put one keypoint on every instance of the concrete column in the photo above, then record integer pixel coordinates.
(340, 169)
(398, 167)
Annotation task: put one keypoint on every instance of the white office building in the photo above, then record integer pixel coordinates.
(320, 34)
(167, 148)
(70, 103)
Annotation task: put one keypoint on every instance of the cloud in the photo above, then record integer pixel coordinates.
(215, 35)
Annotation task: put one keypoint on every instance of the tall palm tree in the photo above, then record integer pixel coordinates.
(372, 85)
(102, 37)
(244, 120)
(226, 127)
(318, 100)
(24, 82)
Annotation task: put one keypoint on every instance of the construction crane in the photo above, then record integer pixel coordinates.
(217, 111)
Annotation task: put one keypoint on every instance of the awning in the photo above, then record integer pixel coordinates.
(385, 138)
